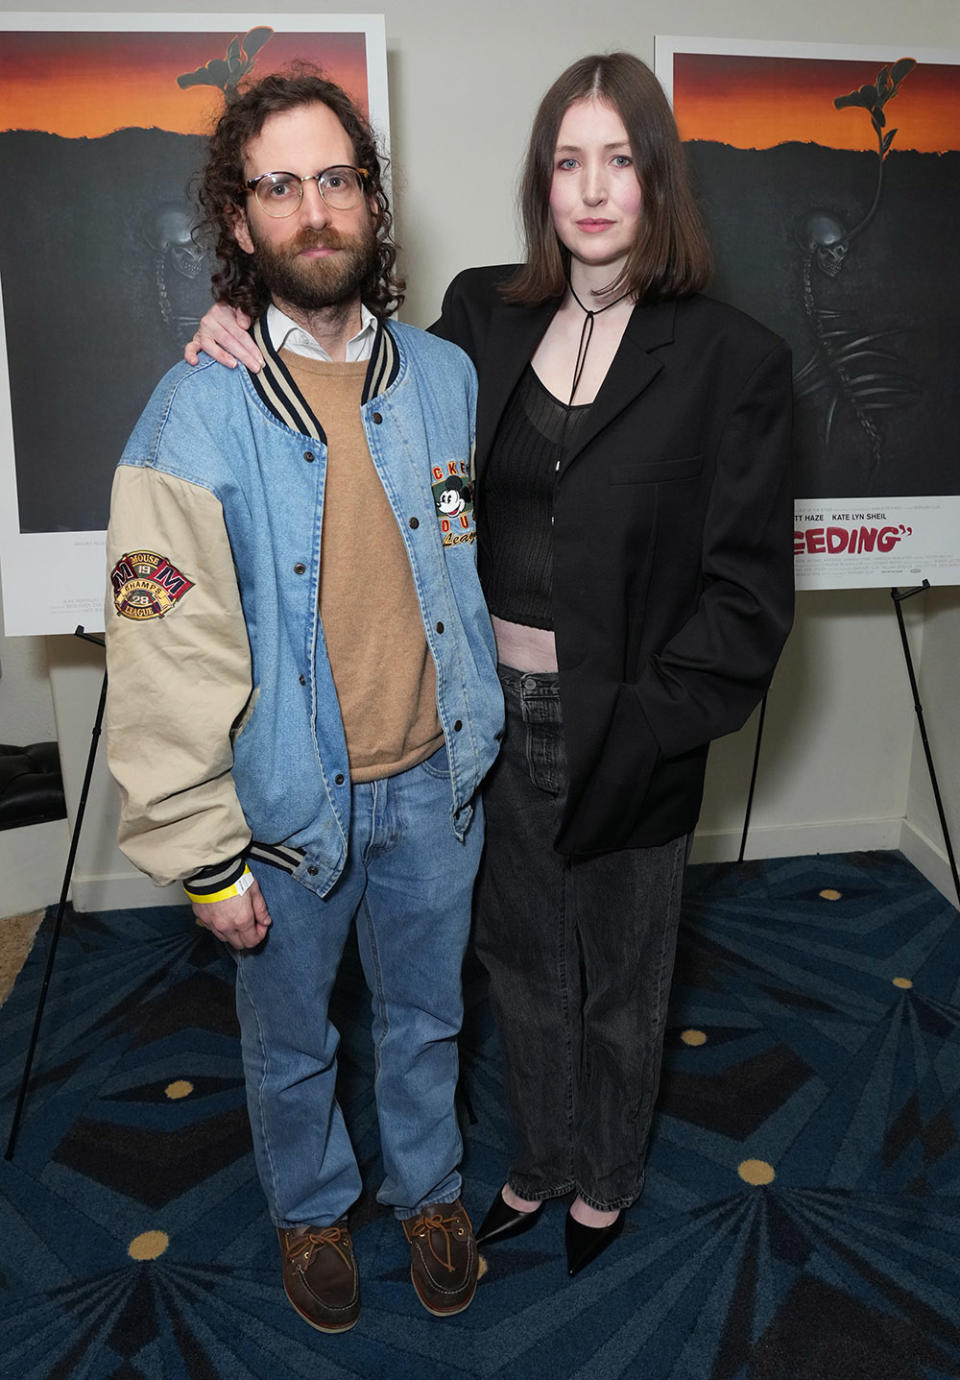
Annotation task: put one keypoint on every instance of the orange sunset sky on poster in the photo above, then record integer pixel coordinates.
(757, 102)
(89, 83)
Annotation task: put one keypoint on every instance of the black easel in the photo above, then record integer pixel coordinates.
(753, 776)
(898, 596)
(61, 907)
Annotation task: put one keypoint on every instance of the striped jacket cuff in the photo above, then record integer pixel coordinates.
(220, 876)
(277, 855)
(210, 880)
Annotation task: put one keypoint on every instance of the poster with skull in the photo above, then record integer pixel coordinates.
(103, 121)
(829, 178)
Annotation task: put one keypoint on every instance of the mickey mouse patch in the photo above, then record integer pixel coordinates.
(146, 585)
(453, 496)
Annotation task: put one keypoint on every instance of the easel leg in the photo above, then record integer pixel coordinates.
(61, 910)
(753, 777)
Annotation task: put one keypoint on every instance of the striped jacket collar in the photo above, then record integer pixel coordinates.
(278, 391)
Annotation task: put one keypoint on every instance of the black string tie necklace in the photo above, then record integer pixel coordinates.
(586, 335)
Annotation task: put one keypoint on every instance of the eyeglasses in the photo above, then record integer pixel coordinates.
(280, 193)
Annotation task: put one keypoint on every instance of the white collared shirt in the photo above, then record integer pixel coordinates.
(287, 335)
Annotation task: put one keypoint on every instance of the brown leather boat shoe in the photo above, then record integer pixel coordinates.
(443, 1258)
(320, 1275)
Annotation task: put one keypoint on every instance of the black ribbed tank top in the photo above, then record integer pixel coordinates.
(515, 537)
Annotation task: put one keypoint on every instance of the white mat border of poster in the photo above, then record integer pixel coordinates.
(873, 543)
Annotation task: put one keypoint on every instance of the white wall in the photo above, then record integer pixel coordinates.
(31, 860)
(937, 675)
(26, 708)
(835, 758)
(465, 78)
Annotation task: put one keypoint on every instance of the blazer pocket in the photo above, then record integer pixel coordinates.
(640, 471)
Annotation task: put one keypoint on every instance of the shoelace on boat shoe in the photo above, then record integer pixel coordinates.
(301, 1250)
(426, 1225)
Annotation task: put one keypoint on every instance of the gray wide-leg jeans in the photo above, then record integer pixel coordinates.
(580, 956)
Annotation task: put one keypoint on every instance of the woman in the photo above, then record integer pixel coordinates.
(634, 518)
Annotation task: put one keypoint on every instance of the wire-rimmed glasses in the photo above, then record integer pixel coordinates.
(280, 193)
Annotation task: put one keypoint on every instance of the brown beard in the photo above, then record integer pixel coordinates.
(311, 284)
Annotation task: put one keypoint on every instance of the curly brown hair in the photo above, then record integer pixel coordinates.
(238, 281)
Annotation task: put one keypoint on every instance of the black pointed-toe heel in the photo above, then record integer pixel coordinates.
(503, 1221)
(586, 1243)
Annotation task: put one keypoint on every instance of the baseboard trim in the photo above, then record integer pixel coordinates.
(121, 891)
(31, 866)
(797, 840)
(929, 858)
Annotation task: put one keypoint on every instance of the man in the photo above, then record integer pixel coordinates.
(303, 699)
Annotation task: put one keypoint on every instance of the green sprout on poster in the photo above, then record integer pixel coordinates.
(873, 97)
(168, 229)
(227, 71)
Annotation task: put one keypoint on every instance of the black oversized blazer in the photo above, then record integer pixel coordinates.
(673, 565)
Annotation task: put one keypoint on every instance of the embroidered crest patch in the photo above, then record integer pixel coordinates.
(453, 496)
(146, 585)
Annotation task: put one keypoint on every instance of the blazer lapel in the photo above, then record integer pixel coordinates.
(514, 335)
(633, 369)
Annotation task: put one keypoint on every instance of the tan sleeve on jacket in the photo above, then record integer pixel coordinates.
(178, 678)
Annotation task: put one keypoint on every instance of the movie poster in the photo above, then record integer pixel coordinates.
(830, 180)
(102, 125)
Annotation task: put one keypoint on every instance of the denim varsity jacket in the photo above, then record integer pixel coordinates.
(223, 729)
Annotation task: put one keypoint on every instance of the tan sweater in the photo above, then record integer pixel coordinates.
(369, 613)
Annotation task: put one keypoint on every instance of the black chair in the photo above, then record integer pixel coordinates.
(31, 787)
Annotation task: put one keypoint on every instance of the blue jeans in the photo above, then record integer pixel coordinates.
(580, 955)
(408, 885)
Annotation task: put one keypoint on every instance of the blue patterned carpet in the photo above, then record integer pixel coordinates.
(801, 1219)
